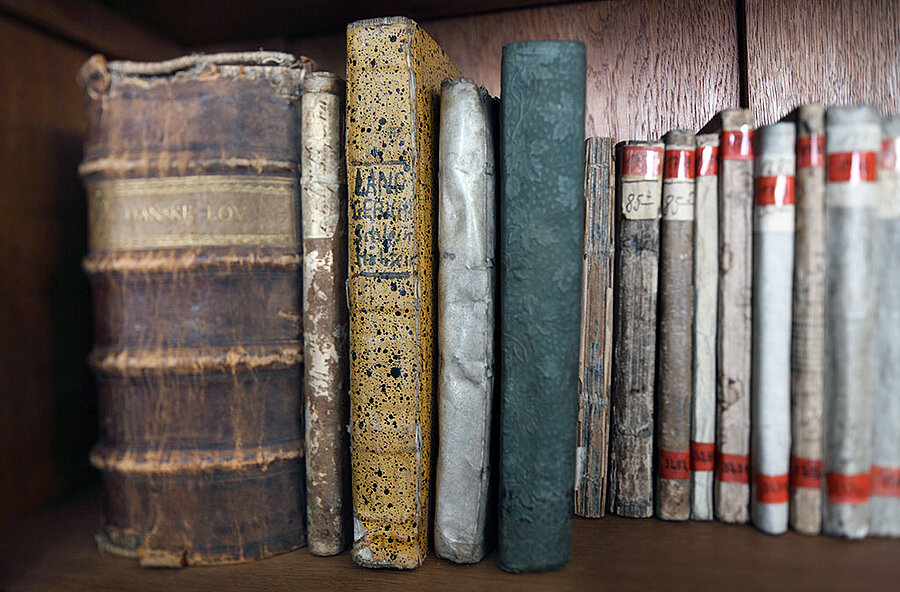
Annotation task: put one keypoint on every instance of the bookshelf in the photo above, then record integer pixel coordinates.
(653, 65)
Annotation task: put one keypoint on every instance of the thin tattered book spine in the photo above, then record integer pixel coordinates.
(541, 246)
(885, 501)
(595, 363)
(394, 74)
(324, 198)
(467, 215)
(773, 267)
(191, 169)
(852, 192)
(638, 197)
(674, 351)
(706, 285)
(732, 489)
(808, 325)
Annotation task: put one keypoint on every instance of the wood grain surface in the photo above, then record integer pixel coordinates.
(90, 24)
(47, 411)
(839, 51)
(54, 550)
(650, 66)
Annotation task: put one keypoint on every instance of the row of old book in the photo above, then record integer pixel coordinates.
(741, 339)
(294, 277)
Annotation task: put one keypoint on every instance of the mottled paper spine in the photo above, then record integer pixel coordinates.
(466, 279)
(676, 263)
(808, 325)
(638, 198)
(773, 261)
(541, 246)
(595, 363)
(324, 206)
(885, 501)
(732, 490)
(394, 74)
(706, 284)
(852, 147)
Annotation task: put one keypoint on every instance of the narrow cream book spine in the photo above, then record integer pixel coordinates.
(466, 286)
(808, 326)
(325, 330)
(706, 284)
(732, 490)
(852, 147)
(773, 267)
(886, 398)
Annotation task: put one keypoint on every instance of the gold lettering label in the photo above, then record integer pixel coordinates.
(198, 211)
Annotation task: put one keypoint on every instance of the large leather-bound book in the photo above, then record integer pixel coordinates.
(638, 196)
(467, 233)
(852, 192)
(674, 351)
(325, 331)
(773, 268)
(732, 488)
(191, 169)
(706, 285)
(808, 326)
(541, 247)
(595, 363)
(885, 501)
(394, 74)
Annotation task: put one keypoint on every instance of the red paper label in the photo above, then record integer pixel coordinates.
(674, 464)
(707, 161)
(775, 191)
(806, 473)
(703, 456)
(642, 161)
(890, 149)
(772, 489)
(886, 481)
(811, 152)
(852, 167)
(679, 164)
(737, 145)
(848, 489)
(733, 468)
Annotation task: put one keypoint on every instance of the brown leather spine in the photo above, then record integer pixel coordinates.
(191, 168)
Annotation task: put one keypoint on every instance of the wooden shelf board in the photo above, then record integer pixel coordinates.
(54, 549)
(199, 22)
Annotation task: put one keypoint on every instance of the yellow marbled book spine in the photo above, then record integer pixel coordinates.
(394, 74)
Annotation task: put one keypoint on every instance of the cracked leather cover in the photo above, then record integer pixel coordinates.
(191, 167)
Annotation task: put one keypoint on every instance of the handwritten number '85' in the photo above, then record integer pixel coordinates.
(635, 201)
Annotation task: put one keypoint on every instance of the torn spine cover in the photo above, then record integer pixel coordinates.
(595, 362)
(467, 215)
(325, 331)
(638, 197)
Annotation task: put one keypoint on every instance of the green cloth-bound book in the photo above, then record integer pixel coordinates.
(542, 230)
